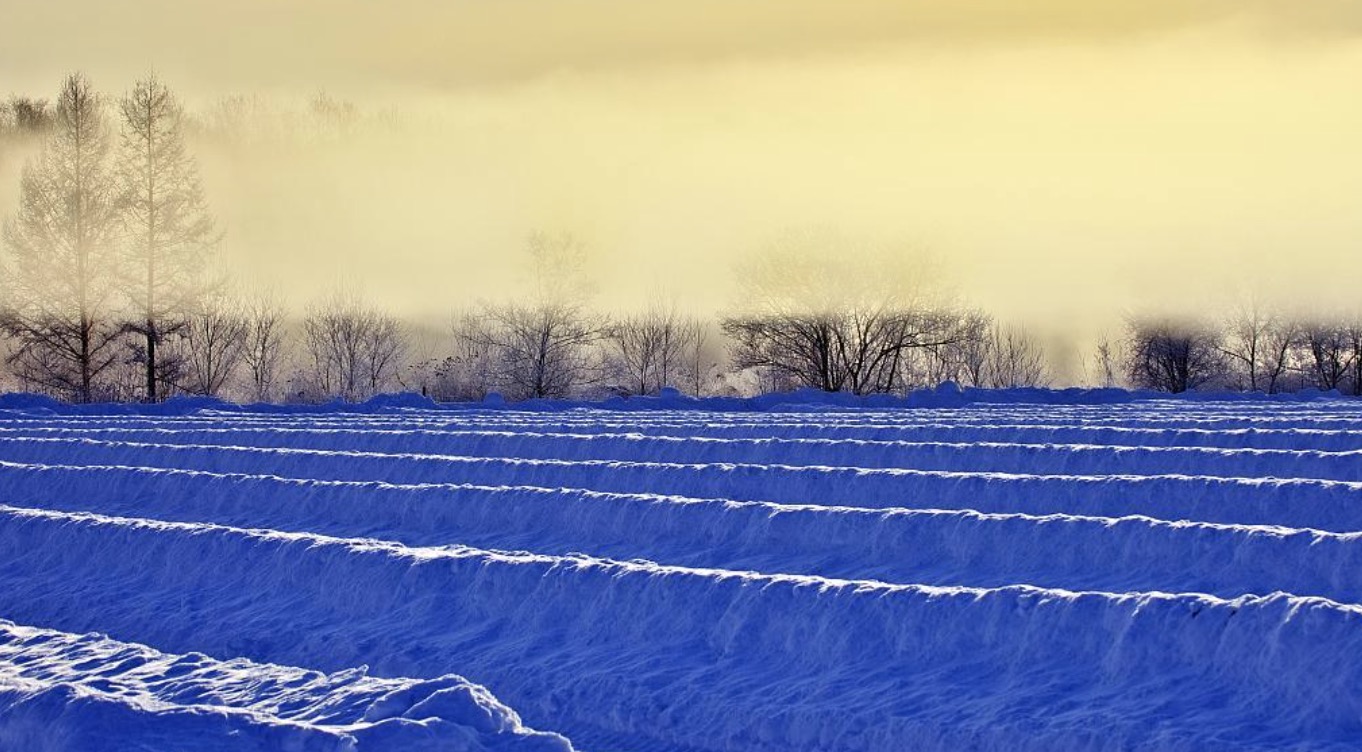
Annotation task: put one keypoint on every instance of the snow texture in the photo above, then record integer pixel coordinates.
(958, 569)
(61, 691)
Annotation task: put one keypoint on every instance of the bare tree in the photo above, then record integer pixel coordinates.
(860, 349)
(213, 341)
(545, 346)
(824, 312)
(62, 242)
(1354, 332)
(541, 350)
(1257, 345)
(655, 349)
(696, 332)
(1172, 357)
(1105, 362)
(1015, 359)
(262, 351)
(471, 371)
(965, 358)
(1329, 350)
(355, 349)
(27, 116)
(382, 349)
(169, 231)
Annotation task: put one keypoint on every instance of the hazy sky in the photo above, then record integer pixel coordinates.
(1065, 160)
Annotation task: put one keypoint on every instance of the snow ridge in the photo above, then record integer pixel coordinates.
(932, 546)
(330, 603)
(65, 691)
(1011, 571)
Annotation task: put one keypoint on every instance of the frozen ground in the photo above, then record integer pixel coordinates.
(996, 571)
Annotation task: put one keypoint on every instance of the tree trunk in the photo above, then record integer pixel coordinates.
(151, 362)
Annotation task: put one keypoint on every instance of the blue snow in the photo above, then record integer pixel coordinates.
(952, 570)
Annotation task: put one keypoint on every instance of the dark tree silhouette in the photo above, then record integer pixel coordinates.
(1171, 357)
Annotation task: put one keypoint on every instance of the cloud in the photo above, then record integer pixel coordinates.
(475, 42)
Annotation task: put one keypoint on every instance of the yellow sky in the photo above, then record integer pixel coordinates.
(1067, 161)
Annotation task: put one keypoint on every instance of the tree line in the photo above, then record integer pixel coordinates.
(1255, 348)
(113, 290)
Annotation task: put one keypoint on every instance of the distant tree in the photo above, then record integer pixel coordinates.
(213, 340)
(382, 351)
(966, 358)
(987, 354)
(63, 251)
(355, 349)
(862, 350)
(28, 116)
(1172, 357)
(263, 347)
(1105, 362)
(170, 234)
(1354, 331)
(471, 372)
(1014, 359)
(818, 313)
(1329, 351)
(541, 350)
(1257, 346)
(544, 345)
(332, 117)
(654, 349)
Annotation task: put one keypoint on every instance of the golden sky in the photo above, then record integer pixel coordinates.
(1065, 161)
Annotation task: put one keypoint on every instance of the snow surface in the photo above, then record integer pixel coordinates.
(61, 691)
(1021, 570)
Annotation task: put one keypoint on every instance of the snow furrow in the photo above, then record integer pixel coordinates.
(953, 456)
(941, 547)
(415, 435)
(711, 659)
(1325, 505)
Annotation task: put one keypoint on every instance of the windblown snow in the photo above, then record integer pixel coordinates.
(1015, 572)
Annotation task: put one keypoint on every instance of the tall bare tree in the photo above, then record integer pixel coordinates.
(1105, 363)
(169, 233)
(63, 251)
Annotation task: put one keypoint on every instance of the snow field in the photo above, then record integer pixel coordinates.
(1147, 575)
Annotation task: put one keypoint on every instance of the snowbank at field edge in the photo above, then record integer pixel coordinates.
(63, 692)
(944, 395)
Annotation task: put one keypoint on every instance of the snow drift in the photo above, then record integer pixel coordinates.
(88, 693)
